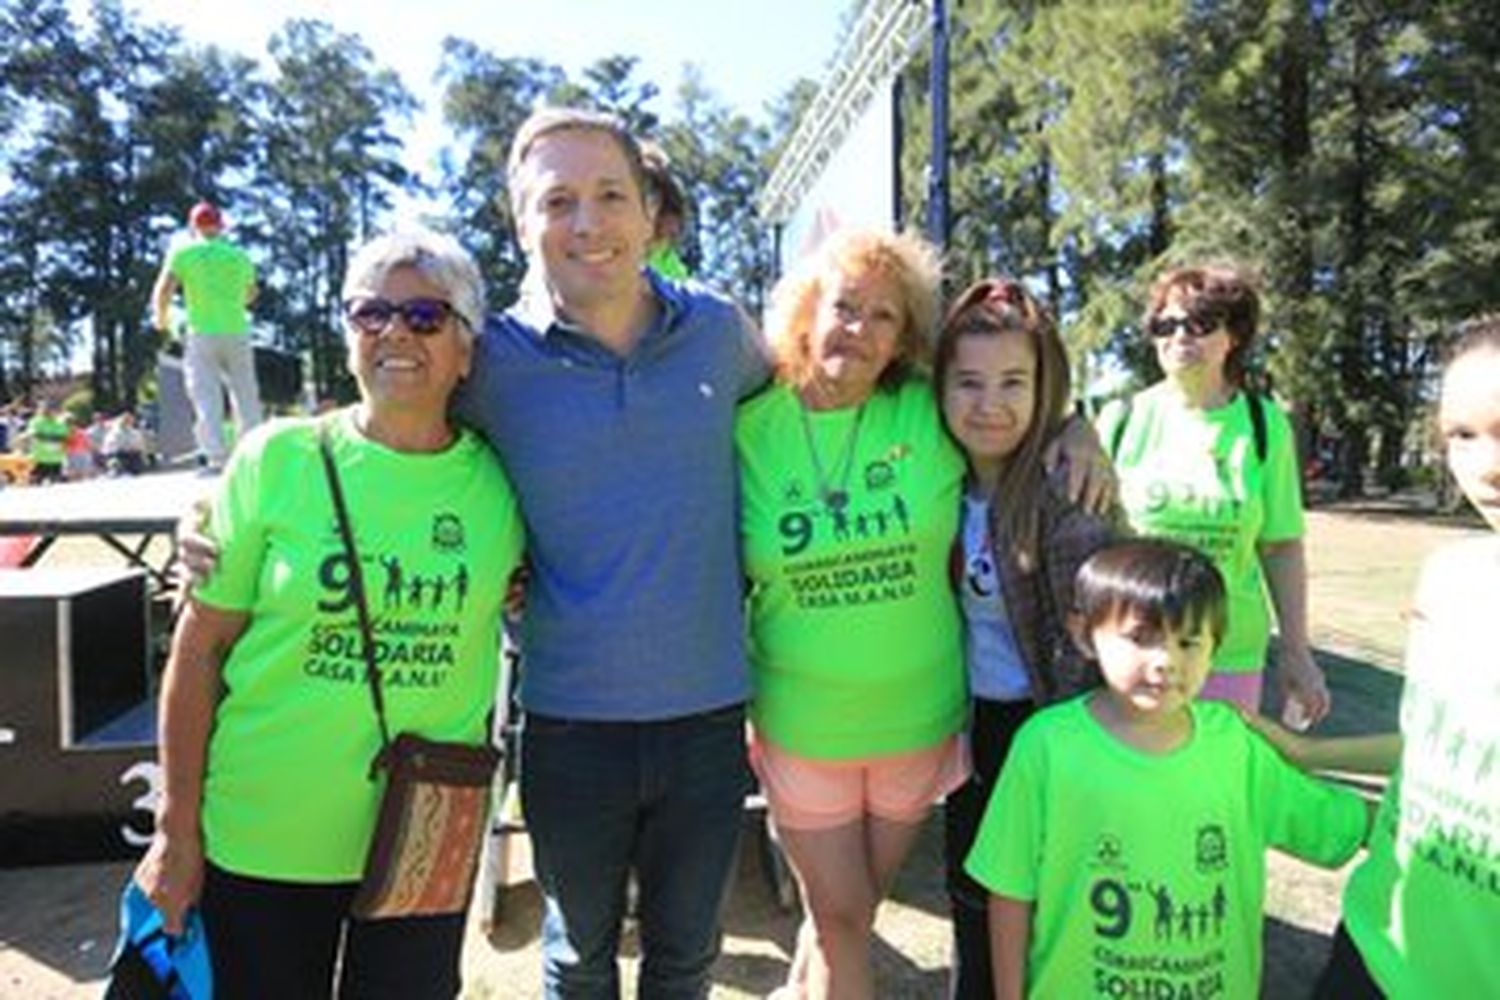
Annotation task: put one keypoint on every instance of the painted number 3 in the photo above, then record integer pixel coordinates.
(1111, 903)
(148, 773)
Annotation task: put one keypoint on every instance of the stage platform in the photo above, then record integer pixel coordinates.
(112, 509)
(78, 680)
(77, 707)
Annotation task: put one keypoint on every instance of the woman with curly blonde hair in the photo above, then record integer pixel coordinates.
(850, 493)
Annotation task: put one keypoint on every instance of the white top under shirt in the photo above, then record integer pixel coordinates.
(996, 671)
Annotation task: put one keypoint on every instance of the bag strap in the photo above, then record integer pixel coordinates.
(1257, 405)
(1118, 436)
(357, 585)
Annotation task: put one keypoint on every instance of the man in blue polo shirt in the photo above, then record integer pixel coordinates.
(610, 395)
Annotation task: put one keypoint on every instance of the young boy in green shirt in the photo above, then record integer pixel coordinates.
(1124, 847)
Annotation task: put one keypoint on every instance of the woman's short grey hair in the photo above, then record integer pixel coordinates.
(437, 257)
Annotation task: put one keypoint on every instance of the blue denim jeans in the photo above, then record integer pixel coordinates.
(664, 799)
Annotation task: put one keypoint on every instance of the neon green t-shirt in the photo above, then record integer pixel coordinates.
(49, 438)
(665, 261)
(287, 793)
(1193, 476)
(1147, 873)
(855, 639)
(216, 275)
(1424, 906)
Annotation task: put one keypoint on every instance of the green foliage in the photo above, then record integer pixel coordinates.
(79, 406)
(326, 176)
(113, 126)
(724, 160)
(1347, 153)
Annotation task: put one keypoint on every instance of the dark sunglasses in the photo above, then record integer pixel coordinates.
(423, 317)
(1162, 327)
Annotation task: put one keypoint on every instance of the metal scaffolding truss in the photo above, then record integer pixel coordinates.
(877, 46)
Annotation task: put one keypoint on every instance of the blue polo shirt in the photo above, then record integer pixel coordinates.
(625, 471)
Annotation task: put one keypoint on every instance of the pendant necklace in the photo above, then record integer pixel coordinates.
(834, 491)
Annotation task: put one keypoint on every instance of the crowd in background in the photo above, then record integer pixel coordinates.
(46, 445)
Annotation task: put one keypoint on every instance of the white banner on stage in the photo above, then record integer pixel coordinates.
(857, 187)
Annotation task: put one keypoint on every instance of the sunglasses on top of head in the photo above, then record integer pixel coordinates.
(374, 316)
(994, 295)
(1197, 327)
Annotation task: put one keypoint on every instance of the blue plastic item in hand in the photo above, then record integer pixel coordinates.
(149, 964)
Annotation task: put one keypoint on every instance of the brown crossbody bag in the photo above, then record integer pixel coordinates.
(435, 810)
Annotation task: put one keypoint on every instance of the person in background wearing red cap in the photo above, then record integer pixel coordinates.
(218, 282)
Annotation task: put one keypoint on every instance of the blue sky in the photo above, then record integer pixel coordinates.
(749, 51)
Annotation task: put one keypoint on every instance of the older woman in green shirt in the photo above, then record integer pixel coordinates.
(267, 726)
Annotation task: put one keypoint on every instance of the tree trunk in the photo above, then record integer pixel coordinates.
(1296, 260)
(1353, 451)
(100, 361)
(1352, 353)
(1160, 237)
(1393, 416)
(1044, 215)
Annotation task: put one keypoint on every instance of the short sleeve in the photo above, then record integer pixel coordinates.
(1281, 482)
(1007, 854)
(1314, 820)
(247, 269)
(237, 525)
(174, 259)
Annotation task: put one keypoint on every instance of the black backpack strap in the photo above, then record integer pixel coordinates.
(1257, 405)
(1116, 438)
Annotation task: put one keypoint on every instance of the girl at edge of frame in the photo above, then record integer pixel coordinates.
(1003, 377)
(1420, 911)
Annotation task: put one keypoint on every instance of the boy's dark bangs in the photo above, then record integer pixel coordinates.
(1162, 585)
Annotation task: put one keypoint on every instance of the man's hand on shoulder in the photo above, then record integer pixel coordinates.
(1076, 457)
(197, 552)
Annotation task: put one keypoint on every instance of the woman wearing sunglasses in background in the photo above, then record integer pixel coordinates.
(1205, 461)
(267, 726)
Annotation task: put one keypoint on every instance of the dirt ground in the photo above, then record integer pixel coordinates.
(57, 923)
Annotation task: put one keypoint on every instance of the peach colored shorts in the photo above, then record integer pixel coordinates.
(1242, 689)
(808, 793)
